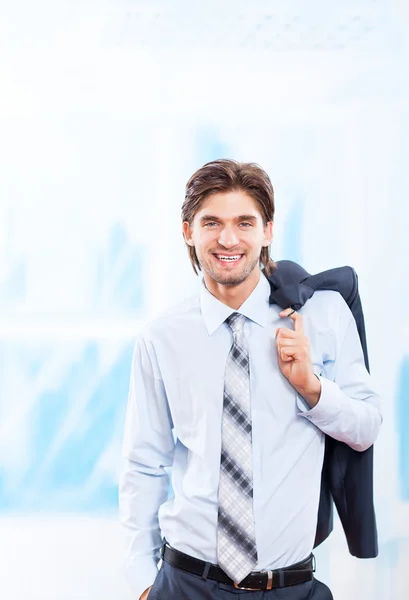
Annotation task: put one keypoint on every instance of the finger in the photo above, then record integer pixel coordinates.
(302, 343)
(286, 333)
(297, 352)
(287, 354)
(296, 318)
(291, 350)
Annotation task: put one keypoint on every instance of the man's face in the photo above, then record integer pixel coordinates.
(228, 234)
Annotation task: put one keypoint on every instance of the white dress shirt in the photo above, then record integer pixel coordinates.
(174, 417)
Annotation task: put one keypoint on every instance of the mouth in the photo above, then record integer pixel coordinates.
(228, 259)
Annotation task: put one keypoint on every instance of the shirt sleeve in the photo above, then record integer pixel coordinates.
(349, 409)
(148, 447)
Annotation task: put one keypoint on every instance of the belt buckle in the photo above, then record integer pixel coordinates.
(269, 583)
(244, 588)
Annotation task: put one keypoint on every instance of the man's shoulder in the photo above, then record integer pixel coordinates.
(176, 317)
(322, 299)
(329, 309)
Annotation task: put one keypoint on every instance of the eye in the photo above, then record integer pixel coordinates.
(245, 224)
(209, 224)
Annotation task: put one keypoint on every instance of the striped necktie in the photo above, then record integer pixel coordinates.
(236, 543)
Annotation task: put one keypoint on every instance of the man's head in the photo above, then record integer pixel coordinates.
(228, 216)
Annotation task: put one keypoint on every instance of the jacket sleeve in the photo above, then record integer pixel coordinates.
(349, 409)
(148, 448)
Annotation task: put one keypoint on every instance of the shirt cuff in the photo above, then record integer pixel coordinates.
(327, 408)
(141, 574)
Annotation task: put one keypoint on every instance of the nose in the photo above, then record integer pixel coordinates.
(228, 237)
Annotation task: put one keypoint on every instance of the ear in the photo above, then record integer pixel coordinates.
(268, 234)
(187, 233)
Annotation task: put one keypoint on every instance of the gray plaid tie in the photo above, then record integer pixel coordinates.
(236, 542)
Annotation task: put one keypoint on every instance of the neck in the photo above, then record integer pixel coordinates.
(236, 294)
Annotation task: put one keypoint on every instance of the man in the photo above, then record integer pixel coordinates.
(249, 392)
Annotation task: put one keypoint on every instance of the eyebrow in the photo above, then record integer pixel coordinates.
(251, 218)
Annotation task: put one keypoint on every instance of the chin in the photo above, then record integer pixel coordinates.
(228, 278)
(231, 280)
(234, 276)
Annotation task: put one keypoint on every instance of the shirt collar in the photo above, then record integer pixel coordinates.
(255, 307)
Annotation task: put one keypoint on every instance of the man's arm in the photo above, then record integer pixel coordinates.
(148, 448)
(348, 408)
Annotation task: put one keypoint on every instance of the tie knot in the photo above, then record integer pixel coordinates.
(236, 322)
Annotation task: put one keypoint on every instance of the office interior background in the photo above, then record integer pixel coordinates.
(106, 109)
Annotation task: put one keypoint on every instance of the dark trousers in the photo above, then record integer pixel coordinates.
(174, 584)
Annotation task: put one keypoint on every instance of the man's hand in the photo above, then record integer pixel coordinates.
(294, 359)
(145, 594)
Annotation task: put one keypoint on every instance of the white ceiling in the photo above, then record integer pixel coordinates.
(293, 25)
(256, 25)
(184, 57)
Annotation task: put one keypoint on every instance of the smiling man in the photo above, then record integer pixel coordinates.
(236, 396)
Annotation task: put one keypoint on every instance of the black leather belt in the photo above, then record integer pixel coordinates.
(256, 580)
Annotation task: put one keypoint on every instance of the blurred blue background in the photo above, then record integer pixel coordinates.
(106, 109)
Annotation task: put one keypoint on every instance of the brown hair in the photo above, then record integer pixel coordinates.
(225, 175)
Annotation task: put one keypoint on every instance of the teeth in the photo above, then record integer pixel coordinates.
(227, 258)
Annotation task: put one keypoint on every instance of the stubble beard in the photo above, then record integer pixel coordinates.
(229, 278)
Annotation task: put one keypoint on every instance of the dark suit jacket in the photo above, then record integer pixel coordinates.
(347, 475)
